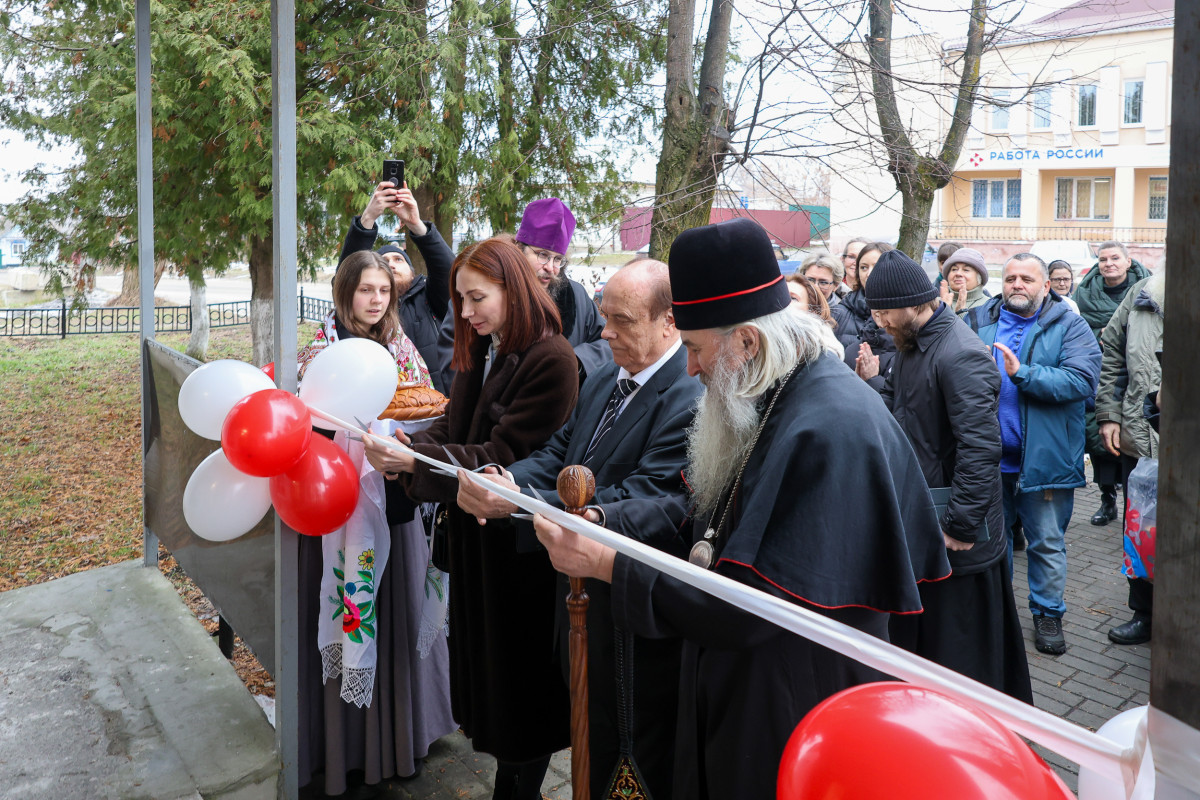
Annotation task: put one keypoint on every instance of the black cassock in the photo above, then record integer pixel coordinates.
(837, 519)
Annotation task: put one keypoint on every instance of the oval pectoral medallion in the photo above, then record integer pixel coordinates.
(702, 554)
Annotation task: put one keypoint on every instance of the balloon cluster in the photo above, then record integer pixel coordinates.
(902, 741)
(268, 455)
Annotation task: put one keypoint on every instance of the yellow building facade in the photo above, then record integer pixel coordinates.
(1070, 139)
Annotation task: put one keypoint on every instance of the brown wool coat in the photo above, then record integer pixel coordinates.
(505, 686)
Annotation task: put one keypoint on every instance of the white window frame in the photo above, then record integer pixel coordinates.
(1001, 95)
(1095, 92)
(1150, 198)
(1075, 195)
(1035, 98)
(19, 247)
(1141, 121)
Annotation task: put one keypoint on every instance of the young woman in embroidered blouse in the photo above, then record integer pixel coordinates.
(367, 718)
(363, 307)
(516, 384)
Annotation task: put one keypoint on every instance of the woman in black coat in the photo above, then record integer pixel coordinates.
(516, 384)
(857, 330)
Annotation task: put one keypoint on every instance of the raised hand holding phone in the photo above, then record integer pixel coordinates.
(393, 170)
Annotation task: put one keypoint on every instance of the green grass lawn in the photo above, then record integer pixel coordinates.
(70, 436)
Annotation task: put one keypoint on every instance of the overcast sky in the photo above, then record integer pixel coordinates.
(19, 154)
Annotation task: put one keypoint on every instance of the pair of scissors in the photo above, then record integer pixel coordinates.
(529, 517)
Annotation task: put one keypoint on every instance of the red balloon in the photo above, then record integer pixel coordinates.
(269, 369)
(266, 433)
(319, 494)
(902, 742)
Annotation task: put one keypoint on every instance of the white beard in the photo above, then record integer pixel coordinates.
(720, 434)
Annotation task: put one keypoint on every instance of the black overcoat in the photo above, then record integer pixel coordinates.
(642, 456)
(944, 393)
(505, 686)
(838, 521)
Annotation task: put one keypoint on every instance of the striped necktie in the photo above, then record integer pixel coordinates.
(624, 388)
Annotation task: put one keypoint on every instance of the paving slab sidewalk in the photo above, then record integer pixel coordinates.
(111, 690)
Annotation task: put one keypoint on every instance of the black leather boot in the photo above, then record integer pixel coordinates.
(1108, 506)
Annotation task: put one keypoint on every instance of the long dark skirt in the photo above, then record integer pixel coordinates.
(970, 625)
(410, 706)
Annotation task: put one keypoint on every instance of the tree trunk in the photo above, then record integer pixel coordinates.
(501, 200)
(436, 197)
(696, 129)
(197, 346)
(919, 175)
(914, 222)
(262, 293)
(131, 284)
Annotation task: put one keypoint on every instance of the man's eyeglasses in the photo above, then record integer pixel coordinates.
(545, 257)
(818, 281)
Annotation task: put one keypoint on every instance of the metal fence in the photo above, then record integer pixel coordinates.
(314, 309)
(1014, 232)
(65, 320)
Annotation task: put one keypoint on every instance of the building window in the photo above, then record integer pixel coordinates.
(1083, 198)
(1133, 102)
(1158, 199)
(1041, 109)
(1086, 118)
(996, 199)
(1000, 110)
(18, 248)
(1014, 198)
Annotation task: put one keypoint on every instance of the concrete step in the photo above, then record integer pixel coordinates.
(110, 688)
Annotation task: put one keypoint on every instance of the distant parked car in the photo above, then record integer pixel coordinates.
(1075, 252)
(929, 262)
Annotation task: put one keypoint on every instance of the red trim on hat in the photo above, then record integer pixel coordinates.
(725, 296)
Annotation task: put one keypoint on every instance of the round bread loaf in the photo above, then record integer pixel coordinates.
(415, 402)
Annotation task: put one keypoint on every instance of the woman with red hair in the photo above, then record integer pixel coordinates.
(516, 384)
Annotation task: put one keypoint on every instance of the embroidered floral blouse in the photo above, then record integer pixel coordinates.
(409, 364)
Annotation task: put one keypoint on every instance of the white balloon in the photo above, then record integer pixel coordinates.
(208, 393)
(350, 378)
(221, 503)
(1120, 729)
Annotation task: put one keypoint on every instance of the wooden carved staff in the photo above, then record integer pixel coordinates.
(576, 485)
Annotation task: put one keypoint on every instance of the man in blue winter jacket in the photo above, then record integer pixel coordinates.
(1049, 366)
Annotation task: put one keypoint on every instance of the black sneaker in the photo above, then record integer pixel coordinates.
(1048, 635)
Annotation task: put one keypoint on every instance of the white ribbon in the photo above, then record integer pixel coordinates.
(1088, 749)
(1066, 738)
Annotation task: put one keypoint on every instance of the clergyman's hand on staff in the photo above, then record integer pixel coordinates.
(573, 555)
(479, 502)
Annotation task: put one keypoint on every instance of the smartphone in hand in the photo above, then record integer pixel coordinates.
(393, 170)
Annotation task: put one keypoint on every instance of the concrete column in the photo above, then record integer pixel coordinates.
(1122, 199)
(1031, 202)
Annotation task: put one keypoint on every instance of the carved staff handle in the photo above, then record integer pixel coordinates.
(576, 485)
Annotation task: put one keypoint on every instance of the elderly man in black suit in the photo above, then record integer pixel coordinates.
(629, 428)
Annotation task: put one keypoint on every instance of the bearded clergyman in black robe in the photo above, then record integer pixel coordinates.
(834, 518)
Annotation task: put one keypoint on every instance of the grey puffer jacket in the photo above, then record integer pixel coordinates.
(1130, 369)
